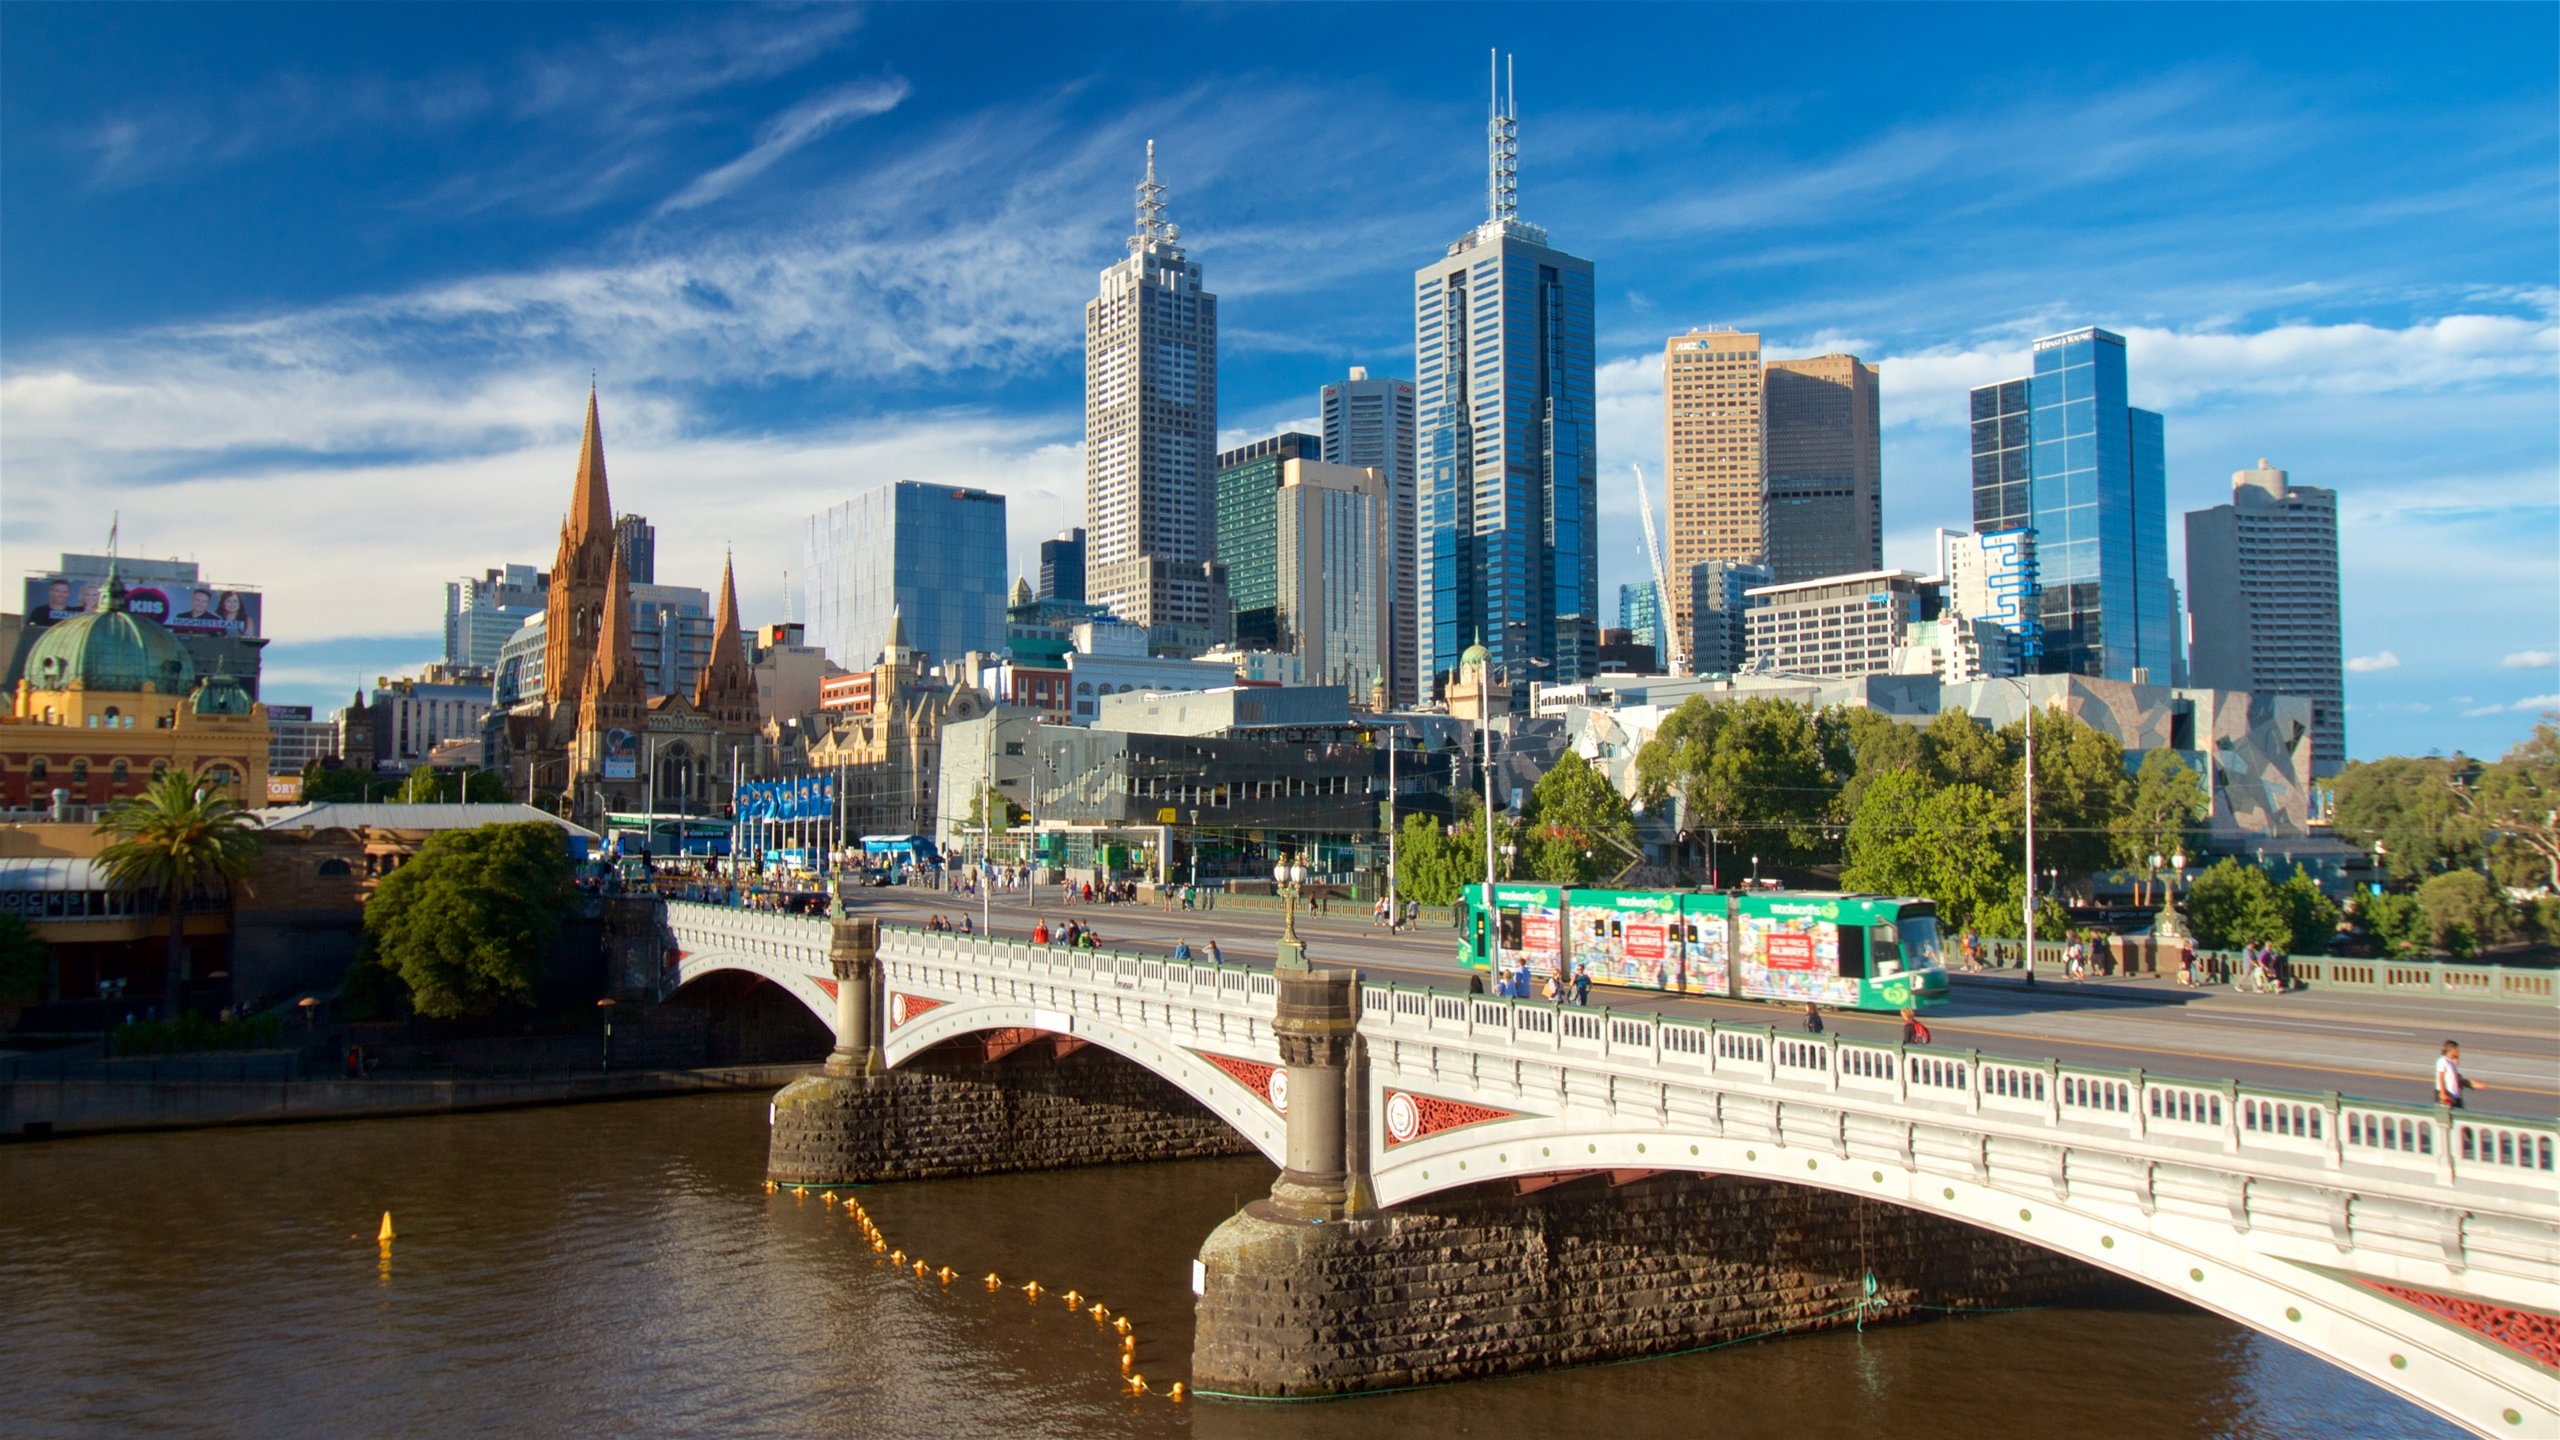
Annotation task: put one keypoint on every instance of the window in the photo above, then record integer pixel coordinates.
(121, 772)
(159, 768)
(35, 770)
(80, 771)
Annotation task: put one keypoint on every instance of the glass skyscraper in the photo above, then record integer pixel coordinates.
(933, 554)
(1249, 533)
(2061, 453)
(1508, 518)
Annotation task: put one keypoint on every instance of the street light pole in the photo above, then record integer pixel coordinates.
(1393, 914)
(2030, 799)
(1487, 728)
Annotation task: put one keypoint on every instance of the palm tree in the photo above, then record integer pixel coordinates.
(181, 837)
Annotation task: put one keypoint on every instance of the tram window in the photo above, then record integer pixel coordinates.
(1853, 951)
(1510, 932)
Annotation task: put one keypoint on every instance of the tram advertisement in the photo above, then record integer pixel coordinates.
(1793, 956)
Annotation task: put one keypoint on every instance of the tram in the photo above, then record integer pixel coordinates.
(1853, 952)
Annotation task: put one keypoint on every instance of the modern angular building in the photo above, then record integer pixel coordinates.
(931, 554)
(1151, 427)
(2262, 596)
(1508, 517)
(1248, 533)
(2059, 452)
(1714, 479)
(1824, 460)
(1369, 423)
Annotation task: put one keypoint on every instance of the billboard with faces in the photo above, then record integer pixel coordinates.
(186, 609)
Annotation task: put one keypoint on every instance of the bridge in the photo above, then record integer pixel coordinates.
(2417, 1247)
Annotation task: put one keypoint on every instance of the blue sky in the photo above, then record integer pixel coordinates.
(311, 294)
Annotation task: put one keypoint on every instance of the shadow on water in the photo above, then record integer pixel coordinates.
(618, 1270)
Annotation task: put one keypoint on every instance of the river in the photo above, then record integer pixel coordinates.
(618, 1270)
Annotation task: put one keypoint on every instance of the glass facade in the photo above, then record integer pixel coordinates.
(1640, 611)
(2061, 453)
(933, 555)
(1505, 459)
(1248, 523)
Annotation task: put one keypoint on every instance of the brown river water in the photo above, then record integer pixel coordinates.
(618, 1270)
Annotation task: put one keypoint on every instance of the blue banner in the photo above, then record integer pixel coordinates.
(809, 797)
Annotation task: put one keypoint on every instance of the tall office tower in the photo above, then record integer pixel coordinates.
(1331, 579)
(1507, 513)
(930, 555)
(1370, 423)
(1711, 446)
(2262, 589)
(1821, 452)
(1062, 566)
(1248, 538)
(637, 539)
(1991, 576)
(1640, 611)
(482, 611)
(1719, 607)
(2061, 453)
(1151, 425)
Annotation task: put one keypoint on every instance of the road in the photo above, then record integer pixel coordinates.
(2375, 1047)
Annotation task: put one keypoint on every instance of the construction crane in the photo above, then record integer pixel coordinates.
(1670, 633)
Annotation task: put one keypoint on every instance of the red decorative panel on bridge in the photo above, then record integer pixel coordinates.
(903, 1008)
(829, 986)
(1271, 1082)
(2530, 1333)
(1412, 1117)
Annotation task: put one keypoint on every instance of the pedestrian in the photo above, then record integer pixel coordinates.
(1582, 985)
(1555, 989)
(1214, 957)
(1812, 1018)
(1181, 949)
(1413, 914)
(2451, 1084)
(1475, 982)
(1913, 1032)
(1040, 932)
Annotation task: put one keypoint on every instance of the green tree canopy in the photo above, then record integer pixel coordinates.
(427, 785)
(2517, 800)
(1957, 749)
(2081, 791)
(2416, 807)
(2235, 904)
(326, 784)
(1864, 745)
(2310, 915)
(2397, 923)
(182, 837)
(2465, 912)
(1754, 770)
(1949, 843)
(1430, 866)
(2163, 812)
(468, 922)
(1580, 828)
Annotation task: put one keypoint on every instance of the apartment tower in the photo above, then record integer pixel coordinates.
(2262, 600)
(1369, 423)
(1824, 513)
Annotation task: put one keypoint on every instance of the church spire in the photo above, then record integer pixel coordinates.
(724, 679)
(616, 668)
(591, 504)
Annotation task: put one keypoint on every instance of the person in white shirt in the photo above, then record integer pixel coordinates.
(2451, 1086)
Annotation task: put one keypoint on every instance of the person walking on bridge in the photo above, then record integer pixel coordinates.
(2452, 1086)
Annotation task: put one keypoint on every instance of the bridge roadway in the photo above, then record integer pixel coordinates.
(2378, 1046)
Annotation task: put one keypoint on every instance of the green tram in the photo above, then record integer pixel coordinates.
(1857, 952)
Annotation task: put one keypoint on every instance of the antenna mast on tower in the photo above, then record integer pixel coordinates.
(1502, 146)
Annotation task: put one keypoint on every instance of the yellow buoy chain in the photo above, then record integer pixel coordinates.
(1131, 1382)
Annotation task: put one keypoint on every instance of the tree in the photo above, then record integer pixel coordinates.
(1956, 749)
(427, 785)
(1429, 864)
(2417, 808)
(324, 783)
(2162, 812)
(1580, 828)
(2397, 923)
(2518, 801)
(181, 838)
(1865, 745)
(2465, 912)
(1008, 814)
(467, 923)
(2310, 914)
(2081, 791)
(22, 958)
(1755, 768)
(1949, 843)
(2234, 904)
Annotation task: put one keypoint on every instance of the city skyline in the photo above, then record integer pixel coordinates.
(390, 388)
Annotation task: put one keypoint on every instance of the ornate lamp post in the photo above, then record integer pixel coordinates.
(1289, 878)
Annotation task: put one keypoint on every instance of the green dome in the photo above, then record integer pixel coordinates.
(1474, 654)
(221, 695)
(110, 649)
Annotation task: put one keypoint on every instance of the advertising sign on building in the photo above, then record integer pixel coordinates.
(621, 755)
(188, 610)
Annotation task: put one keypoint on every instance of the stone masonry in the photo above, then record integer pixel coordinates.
(1481, 1282)
(954, 1114)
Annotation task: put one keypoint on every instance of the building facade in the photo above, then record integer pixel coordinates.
(2262, 594)
(933, 556)
(1712, 438)
(1991, 577)
(1640, 613)
(295, 740)
(221, 626)
(1719, 599)
(1505, 446)
(1825, 464)
(482, 612)
(1335, 573)
(1834, 627)
(1062, 566)
(1248, 526)
(1151, 427)
(2062, 453)
(1369, 423)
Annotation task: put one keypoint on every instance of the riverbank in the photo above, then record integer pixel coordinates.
(41, 1107)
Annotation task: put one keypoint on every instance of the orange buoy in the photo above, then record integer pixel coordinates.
(1127, 1361)
(1031, 1288)
(1176, 1393)
(947, 1272)
(1097, 1312)
(829, 1197)
(1137, 1384)
(1074, 1300)
(994, 1281)
(1121, 1324)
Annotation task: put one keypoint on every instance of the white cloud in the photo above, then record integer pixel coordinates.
(803, 123)
(2373, 664)
(2530, 660)
(2525, 706)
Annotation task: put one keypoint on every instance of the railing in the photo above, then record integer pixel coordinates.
(2444, 979)
(2132, 1108)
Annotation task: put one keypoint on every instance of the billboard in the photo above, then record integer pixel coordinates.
(809, 797)
(188, 609)
(621, 755)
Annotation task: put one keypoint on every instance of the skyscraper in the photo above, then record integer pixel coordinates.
(1331, 578)
(1151, 426)
(637, 539)
(1369, 423)
(1062, 566)
(1711, 449)
(2262, 589)
(1824, 460)
(2061, 452)
(1640, 611)
(1248, 521)
(932, 555)
(1508, 518)
(481, 612)
(1991, 578)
